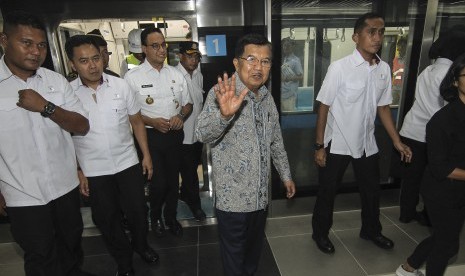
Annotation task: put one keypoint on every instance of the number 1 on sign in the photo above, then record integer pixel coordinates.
(217, 48)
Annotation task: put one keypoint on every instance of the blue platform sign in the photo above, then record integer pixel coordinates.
(216, 45)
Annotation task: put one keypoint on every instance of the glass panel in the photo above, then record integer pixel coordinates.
(451, 15)
(297, 69)
(319, 34)
(395, 54)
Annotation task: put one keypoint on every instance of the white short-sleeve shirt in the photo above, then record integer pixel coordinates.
(353, 90)
(167, 88)
(108, 147)
(195, 88)
(427, 100)
(37, 158)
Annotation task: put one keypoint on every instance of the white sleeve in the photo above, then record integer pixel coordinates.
(330, 87)
(186, 96)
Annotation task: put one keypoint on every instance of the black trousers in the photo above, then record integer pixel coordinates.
(412, 174)
(191, 156)
(111, 194)
(165, 149)
(366, 171)
(50, 235)
(241, 241)
(444, 242)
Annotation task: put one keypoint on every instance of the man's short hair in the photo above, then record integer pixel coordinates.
(146, 32)
(360, 23)
(76, 41)
(15, 18)
(97, 35)
(255, 39)
(449, 45)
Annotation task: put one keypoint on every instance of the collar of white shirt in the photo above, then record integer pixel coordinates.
(6, 73)
(184, 71)
(146, 66)
(357, 58)
(103, 79)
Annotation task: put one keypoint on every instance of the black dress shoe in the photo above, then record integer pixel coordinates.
(199, 214)
(324, 244)
(149, 255)
(158, 228)
(380, 241)
(174, 227)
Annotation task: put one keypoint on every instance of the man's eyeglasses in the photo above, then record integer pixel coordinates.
(251, 60)
(157, 46)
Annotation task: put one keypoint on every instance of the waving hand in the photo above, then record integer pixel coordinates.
(225, 92)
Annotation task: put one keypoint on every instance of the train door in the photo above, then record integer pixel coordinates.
(315, 34)
(115, 32)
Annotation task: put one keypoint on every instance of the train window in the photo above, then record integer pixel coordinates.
(297, 67)
(395, 54)
(451, 15)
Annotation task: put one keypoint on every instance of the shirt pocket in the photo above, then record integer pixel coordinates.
(354, 91)
(176, 90)
(10, 114)
(381, 82)
(115, 112)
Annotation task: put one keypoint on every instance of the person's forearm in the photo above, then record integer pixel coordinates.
(140, 132)
(186, 110)
(70, 121)
(384, 113)
(321, 120)
(457, 174)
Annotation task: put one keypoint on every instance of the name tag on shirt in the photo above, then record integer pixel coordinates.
(147, 89)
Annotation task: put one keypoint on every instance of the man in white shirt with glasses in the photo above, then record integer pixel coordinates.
(162, 92)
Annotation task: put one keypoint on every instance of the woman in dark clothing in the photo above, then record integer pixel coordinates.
(443, 187)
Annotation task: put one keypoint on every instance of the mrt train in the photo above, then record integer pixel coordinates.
(320, 32)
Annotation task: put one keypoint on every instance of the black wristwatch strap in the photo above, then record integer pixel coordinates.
(49, 109)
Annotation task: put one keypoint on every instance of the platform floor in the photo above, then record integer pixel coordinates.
(288, 251)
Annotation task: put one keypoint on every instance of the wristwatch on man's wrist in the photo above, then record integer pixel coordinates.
(49, 109)
(180, 114)
(318, 146)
